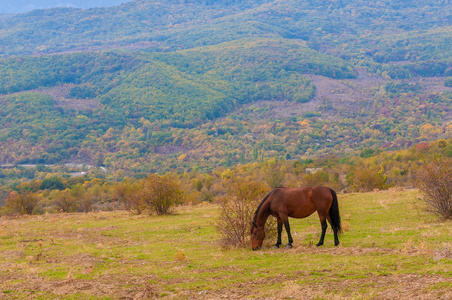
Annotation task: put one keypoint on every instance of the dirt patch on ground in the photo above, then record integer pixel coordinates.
(115, 287)
(383, 287)
(123, 287)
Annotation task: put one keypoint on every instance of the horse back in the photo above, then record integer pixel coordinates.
(301, 202)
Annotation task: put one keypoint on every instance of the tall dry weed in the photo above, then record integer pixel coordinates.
(434, 180)
(237, 208)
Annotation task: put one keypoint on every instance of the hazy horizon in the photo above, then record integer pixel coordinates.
(22, 6)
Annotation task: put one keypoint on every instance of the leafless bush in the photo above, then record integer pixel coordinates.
(237, 210)
(23, 203)
(83, 198)
(65, 201)
(434, 180)
(85, 203)
(131, 195)
(120, 190)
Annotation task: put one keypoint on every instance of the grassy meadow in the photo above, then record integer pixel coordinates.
(391, 248)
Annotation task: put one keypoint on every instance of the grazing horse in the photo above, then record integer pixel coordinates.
(283, 203)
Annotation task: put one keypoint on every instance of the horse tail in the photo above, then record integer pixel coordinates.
(334, 213)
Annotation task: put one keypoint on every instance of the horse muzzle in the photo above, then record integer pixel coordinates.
(256, 248)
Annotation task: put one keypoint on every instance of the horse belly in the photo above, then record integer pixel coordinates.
(301, 209)
(302, 212)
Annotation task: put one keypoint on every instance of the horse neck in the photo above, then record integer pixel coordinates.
(262, 214)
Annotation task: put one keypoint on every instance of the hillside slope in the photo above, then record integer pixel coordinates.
(170, 85)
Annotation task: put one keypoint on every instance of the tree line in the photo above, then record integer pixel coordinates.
(154, 193)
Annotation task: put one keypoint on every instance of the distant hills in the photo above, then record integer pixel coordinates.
(174, 85)
(21, 6)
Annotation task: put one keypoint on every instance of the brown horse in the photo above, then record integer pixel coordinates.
(283, 203)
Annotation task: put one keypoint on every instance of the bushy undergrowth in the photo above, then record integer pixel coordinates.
(155, 194)
(366, 178)
(20, 203)
(57, 192)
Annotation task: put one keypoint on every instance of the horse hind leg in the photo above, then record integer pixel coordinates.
(322, 237)
(336, 234)
(336, 238)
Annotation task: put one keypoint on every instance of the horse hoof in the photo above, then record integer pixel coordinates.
(289, 247)
(276, 247)
(318, 245)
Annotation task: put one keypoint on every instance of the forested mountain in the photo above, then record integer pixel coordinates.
(174, 85)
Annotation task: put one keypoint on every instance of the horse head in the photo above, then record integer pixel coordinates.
(257, 236)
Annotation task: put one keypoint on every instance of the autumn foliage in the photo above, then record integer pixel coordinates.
(232, 188)
(156, 194)
(21, 203)
(161, 193)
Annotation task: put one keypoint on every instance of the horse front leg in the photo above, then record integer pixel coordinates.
(280, 225)
(289, 236)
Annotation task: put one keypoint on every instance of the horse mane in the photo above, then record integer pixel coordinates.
(260, 206)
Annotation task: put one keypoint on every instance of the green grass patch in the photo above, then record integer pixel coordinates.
(389, 241)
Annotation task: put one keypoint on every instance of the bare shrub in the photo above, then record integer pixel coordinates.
(85, 203)
(161, 193)
(119, 190)
(83, 199)
(131, 195)
(237, 209)
(23, 203)
(434, 180)
(65, 201)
